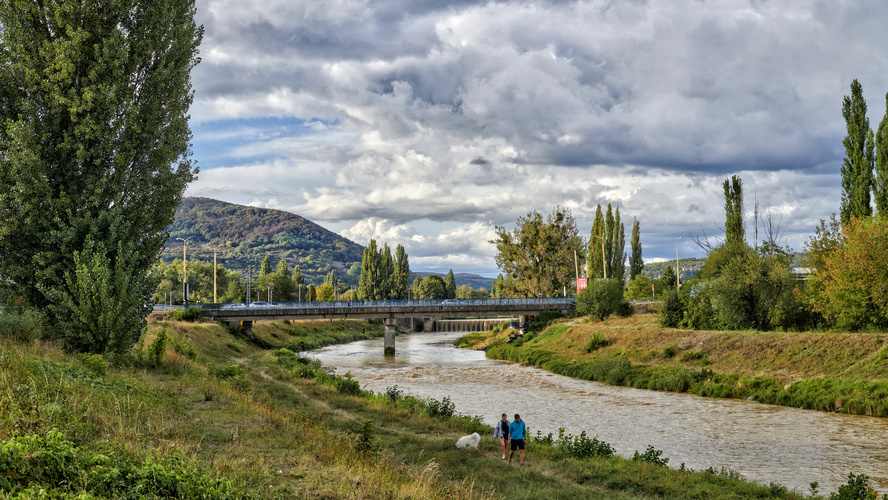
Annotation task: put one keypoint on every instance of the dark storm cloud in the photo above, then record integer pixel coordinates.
(462, 111)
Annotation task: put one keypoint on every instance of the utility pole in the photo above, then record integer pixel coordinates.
(184, 271)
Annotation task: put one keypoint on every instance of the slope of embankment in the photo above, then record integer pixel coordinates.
(830, 371)
(212, 414)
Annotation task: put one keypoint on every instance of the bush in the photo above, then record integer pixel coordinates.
(158, 348)
(601, 299)
(21, 326)
(596, 342)
(857, 488)
(651, 456)
(189, 314)
(583, 447)
(444, 408)
(671, 310)
(95, 364)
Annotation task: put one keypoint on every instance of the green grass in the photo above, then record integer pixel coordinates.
(262, 421)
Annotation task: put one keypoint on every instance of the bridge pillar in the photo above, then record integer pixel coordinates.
(522, 324)
(388, 340)
(247, 328)
(428, 325)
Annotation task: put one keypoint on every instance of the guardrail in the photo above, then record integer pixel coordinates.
(399, 304)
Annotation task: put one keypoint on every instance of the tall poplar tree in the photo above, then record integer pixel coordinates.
(735, 230)
(880, 180)
(368, 283)
(636, 264)
(401, 277)
(618, 254)
(595, 262)
(94, 156)
(857, 166)
(450, 285)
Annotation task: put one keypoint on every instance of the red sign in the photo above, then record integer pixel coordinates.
(581, 283)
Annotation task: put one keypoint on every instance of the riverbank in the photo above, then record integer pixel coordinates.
(828, 371)
(217, 415)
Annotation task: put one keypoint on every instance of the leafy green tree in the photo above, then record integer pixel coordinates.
(857, 166)
(386, 272)
(311, 293)
(265, 268)
(449, 285)
(325, 292)
(283, 268)
(735, 229)
(595, 263)
(401, 276)
(639, 288)
(617, 238)
(603, 298)
(94, 153)
(880, 180)
(636, 263)
(538, 255)
(852, 284)
(669, 278)
(432, 287)
(369, 283)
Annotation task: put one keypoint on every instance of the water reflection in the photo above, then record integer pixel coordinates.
(764, 443)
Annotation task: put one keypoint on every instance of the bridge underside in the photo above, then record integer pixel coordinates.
(395, 314)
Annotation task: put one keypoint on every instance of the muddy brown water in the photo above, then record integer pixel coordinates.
(763, 443)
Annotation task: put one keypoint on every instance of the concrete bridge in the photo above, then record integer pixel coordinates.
(421, 313)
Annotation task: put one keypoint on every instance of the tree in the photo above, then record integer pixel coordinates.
(265, 267)
(857, 166)
(852, 283)
(735, 229)
(402, 274)
(617, 238)
(386, 273)
(449, 285)
(538, 255)
(880, 180)
(368, 284)
(636, 264)
(94, 148)
(325, 292)
(669, 278)
(431, 287)
(603, 298)
(595, 263)
(282, 268)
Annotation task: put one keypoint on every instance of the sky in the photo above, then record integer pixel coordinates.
(429, 123)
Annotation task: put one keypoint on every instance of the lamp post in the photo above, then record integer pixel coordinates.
(677, 269)
(184, 270)
(786, 247)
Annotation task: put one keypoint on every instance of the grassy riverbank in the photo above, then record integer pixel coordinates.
(828, 371)
(216, 415)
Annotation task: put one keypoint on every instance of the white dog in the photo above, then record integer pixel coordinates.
(469, 441)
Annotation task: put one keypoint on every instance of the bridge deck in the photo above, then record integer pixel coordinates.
(452, 308)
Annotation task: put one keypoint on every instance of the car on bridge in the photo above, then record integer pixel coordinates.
(261, 305)
(234, 306)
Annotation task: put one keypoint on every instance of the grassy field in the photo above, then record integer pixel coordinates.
(829, 371)
(217, 415)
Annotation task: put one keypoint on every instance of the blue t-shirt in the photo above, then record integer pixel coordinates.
(517, 429)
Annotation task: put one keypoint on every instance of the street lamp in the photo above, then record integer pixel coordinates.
(677, 269)
(786, 247)
(184, 270)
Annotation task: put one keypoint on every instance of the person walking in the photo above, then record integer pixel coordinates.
(501, 431)
(517, 431)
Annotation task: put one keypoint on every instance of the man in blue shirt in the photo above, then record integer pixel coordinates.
(517, 431)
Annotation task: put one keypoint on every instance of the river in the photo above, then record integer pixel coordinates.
(764, 443)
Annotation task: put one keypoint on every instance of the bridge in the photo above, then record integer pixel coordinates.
(424, 311)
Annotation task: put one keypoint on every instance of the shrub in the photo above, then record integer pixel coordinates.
(444, 408)
(158, 348)
(346, 384)
(596, 342)
(95, 364)
(183, 346)
(21, 326)
(189, 314)
(651, 456)
(857, 488)
(601, 299)
(671, 310)
(583, 447)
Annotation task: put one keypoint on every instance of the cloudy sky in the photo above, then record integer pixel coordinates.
(428, 123)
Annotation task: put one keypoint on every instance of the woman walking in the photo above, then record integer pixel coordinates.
(502, 432)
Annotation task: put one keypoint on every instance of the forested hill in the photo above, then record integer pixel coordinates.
(244, 235)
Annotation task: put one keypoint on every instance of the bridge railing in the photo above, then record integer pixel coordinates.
(445, 303)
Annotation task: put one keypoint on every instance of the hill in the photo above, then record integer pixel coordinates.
(242, 236)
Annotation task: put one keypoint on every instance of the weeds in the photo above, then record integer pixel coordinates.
(651, 456)
(596, 342)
